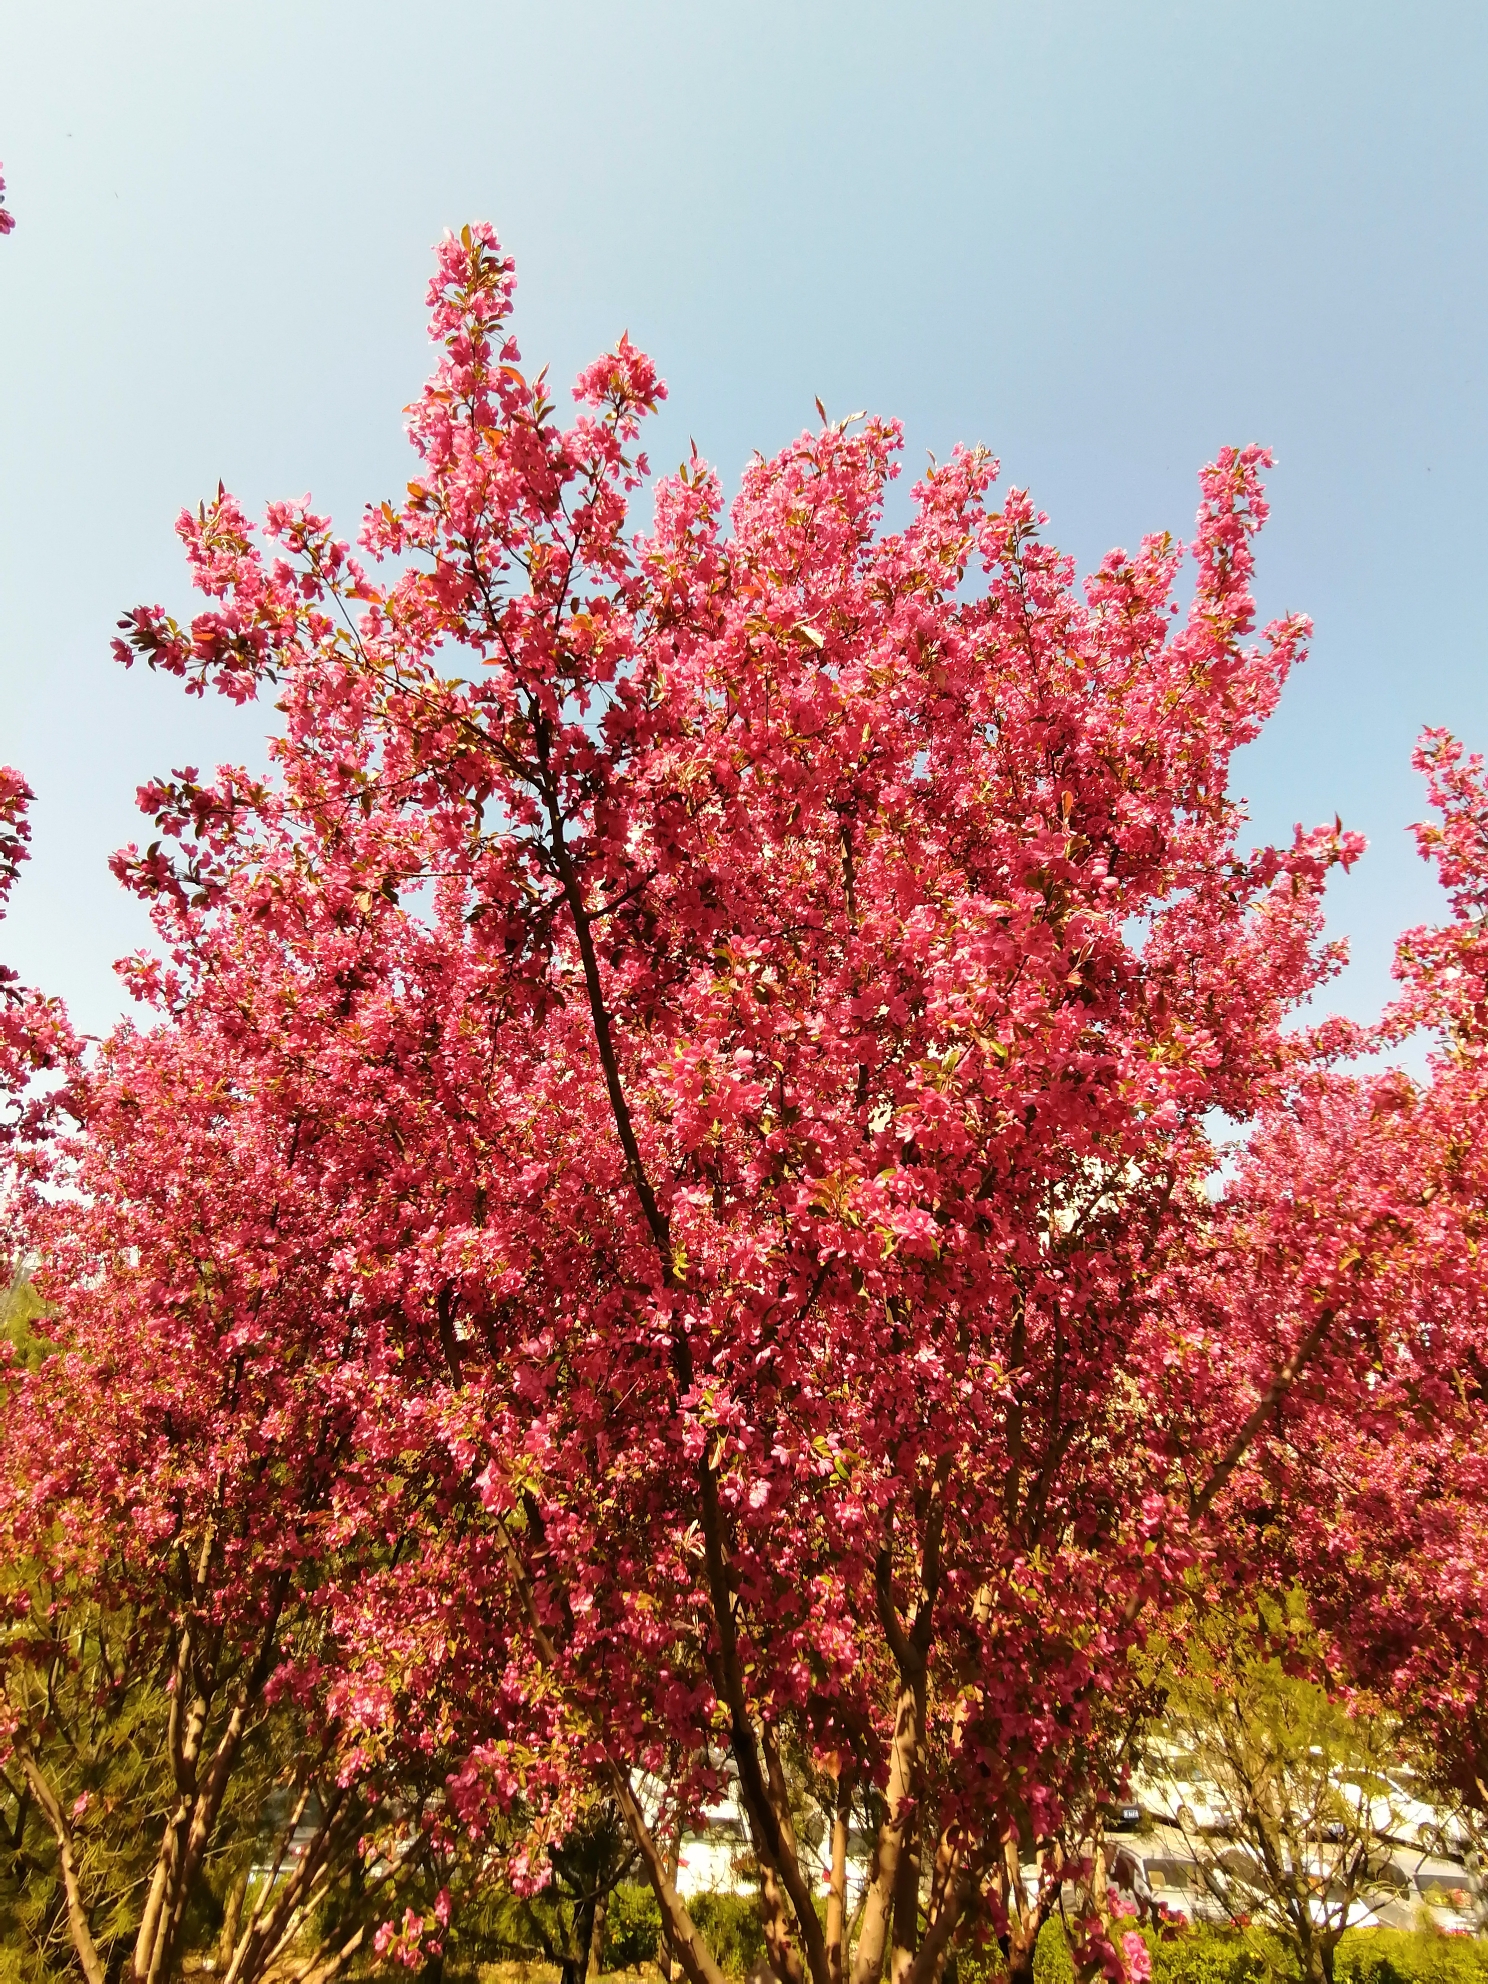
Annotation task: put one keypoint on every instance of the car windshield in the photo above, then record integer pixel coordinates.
(1169, 1874)
(1444, 1887)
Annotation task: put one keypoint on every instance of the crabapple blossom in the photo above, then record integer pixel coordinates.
(685, 1099)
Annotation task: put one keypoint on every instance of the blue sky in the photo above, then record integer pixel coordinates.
(1102, 238)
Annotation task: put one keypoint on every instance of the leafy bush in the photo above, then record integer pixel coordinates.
(982, 1963)
(632, 1927)
(1217, 1956)
(1214, 1955)
(1051, 1957)
(731, 1924)
(1410, 1956)
(729, 1921)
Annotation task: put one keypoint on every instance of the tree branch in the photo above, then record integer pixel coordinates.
(682, 1932)
(83, 1944)
(1278, 1388)
(757, 1802)
(746, 1753)
(899, 1815)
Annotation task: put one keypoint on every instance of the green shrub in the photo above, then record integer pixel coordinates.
(731, 1923)
(1410, 1956)
(1213, 1956)
(982, 1963)
(1205, 1955)
(1051, 1957)
(632, 1927)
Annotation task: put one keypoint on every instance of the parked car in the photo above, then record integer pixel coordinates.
(1157, 1869)
(1430, 1890)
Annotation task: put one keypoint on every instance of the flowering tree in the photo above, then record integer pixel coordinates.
(35, 1036)
(1378, 1184)
(169, 1551)
(744, 1006)
(168, 1544)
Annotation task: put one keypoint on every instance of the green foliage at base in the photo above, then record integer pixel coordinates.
(981, 1963)
(1219, 1956)
(1051, 1957)
(1213, 1955)
(729, 1921)
(1410, 1956)
(632, 1927)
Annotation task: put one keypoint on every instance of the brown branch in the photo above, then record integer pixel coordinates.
(888, 1612)
(1278, 1388)
(837, 1887)
(758, 1805)
(784, 1956)
(599, 1016)
(83, 1944)
(240, 1957)
(181, 1857)
(268, 1939)
(893, 1889)
(898, 1818)
(924, 1618)
(955, 1896)
(444, 1309)
(1017, 1359)
(682, 1932)
(320, 1973)
(746, 1755)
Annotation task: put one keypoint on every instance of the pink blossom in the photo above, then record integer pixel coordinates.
(1138, 1957)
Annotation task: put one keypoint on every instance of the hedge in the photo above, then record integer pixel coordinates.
(1204, 1955)
(1212, 1955)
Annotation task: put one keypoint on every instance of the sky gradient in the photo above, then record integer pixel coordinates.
(1104, 239)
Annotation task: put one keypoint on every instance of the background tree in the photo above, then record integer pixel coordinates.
(1418, 1625)
(169, 1532)
(565, 1920)
(1284, 1793)
(1376, 1499)
(36, 1038)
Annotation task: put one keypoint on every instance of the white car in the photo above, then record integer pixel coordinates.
(1432, 1891)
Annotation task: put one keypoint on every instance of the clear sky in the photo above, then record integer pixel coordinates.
(1102, 236)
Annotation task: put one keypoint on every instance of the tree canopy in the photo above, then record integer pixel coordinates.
(663, 1216)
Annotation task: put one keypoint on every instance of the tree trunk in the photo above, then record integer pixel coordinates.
(906, 1934)
(1316, 1967)
(575, 1964)
(893, 1839)
(1025, 1918)
(232, 1916)
(682, 1938)
(837, 1888)
(597, 1940)
(78, 1925)
(1020, 1959)
(671, 1968)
